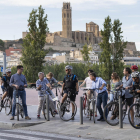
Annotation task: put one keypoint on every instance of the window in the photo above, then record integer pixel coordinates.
(67, 7)
(64, 15)
(68, 22)
(91, 28)
(67, 15)
(88, 29)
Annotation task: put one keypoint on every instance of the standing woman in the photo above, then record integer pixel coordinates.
(114, 83)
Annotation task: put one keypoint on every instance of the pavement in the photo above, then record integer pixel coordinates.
(99, 130)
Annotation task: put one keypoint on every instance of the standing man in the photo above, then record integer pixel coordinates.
(8, 91)
(70, 83)
(18, 81)
(99, 83)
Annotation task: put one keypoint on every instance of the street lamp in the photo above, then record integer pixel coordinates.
(112, 58)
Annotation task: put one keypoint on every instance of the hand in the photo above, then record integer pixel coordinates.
(17, 87)
(25, 86)
(100, 88)
(117, 87)
(51, 88)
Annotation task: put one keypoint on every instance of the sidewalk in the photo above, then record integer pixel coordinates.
(100, 130)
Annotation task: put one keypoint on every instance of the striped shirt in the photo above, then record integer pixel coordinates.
(98, 83)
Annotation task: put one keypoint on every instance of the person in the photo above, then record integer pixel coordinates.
(1, 84)
(18, 82)
(134, 68)
(114, 83)
(127, 84)
(8, 91)
(100, 85)
(41, 84)
(136, 86)
(70, 83)
(89, 92)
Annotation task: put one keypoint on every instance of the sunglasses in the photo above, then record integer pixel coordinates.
(66, 70)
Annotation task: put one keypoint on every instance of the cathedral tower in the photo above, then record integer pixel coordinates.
(66, 20)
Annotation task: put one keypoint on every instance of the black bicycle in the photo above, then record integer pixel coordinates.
(134, 119)
(65, 111)
(111, 110)
(19, 107)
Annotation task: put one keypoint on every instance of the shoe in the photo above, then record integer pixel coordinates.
(2, 105)
(101, 118)
(72, 118)
(38, 116)
(12, 118)
(55, 112)
(27, 118)
(138, 125)
(113, 117)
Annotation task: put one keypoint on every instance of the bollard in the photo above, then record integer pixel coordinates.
(81, 110)
(120, 112)
(47, 107)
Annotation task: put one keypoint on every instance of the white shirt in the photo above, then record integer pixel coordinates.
(89, 83)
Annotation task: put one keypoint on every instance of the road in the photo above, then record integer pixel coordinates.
(6, 134)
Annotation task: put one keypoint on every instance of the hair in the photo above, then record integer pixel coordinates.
(93, 74)
(128, 70)
(40, 73)
(115, 75)
(90, 71)
(50, 74)
(19, 67)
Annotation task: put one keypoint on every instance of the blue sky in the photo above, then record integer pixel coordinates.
(15, 13)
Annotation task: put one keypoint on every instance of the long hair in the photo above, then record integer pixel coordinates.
(115, 76)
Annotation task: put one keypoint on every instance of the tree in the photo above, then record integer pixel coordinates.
(118, 47)
(13, 70)
(105, 62)
(1, 43)
(33, 52)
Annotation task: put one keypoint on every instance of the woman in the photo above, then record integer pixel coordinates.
(114, 83)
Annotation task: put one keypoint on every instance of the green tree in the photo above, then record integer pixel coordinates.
(105, 62)
(13, 70)
(118, 47)
(1, 43)
(33, 52)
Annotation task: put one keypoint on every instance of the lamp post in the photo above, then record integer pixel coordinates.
(112, 58)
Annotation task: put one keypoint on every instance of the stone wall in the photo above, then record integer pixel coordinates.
(131, 46)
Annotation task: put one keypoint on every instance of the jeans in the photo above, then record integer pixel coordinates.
(111, 97)
(22, 95)
(102, 98)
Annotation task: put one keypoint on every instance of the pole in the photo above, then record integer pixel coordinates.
(81, 110)
(47, 107)
(4, 62)
(120, 111)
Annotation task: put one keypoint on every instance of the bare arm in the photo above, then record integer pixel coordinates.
(77, 87)
(63, 87)
(83, 84)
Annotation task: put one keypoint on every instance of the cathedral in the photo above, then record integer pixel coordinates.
(69, 38)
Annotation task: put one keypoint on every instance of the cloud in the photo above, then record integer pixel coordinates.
(58, 3)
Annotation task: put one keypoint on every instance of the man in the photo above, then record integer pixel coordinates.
(41, 84)
(127, 83)
(134, 68)
(89, 92)
(70, 82)
(18, 82)
(8, 91)
(100, 85)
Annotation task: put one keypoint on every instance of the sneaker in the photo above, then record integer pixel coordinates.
(113, 117)
(27, 118)
(55, 112)
(12, 118)
(100, 119)
(38, 116)
(72, 118)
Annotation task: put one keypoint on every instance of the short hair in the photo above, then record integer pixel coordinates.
(90, 71)
(50, 74)
(93, 74)
(40, 73)
(19, 67)
(128, 70)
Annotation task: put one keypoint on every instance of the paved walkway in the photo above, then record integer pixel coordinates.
(100, 130)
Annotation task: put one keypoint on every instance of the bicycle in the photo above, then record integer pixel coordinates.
(65, 111)
(7, 102)
(136, 108)
(112, 109)
(19, 107)
(91, 107)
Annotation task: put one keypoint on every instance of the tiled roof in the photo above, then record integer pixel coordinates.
(9, 51)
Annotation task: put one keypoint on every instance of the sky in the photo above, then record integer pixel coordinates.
(15, 13)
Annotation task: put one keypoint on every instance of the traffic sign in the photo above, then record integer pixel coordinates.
(1, 69)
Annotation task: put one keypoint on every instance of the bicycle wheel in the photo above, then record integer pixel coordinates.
(17, 107)
(136, 122)
(111, 110)
(53, 115)
(0, 105)
(21, 111)
(58, 107)
(65, 112)
(8, 106)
